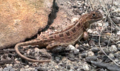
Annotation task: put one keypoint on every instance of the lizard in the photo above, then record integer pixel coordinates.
(63, 38)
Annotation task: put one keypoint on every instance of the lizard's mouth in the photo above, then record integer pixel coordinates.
(93, 20)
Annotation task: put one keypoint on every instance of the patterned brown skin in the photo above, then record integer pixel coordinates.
(68, 36)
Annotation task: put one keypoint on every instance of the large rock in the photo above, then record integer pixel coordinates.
(21, 19)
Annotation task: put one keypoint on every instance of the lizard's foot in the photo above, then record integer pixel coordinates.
(85, 36)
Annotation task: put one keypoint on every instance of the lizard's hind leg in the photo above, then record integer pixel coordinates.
(53, 45)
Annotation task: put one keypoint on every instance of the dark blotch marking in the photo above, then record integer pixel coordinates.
(73, 30)
(78, 25)
(51, 37)
(44, 38)
(68, 33)
(60, 35)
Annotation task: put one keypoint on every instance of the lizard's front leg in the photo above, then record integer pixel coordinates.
(85, 35)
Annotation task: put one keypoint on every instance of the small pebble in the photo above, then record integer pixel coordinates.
(30, 69)
(117, 10)
(77, 45)
(22, 69)
(116, 3)
(86, 44)
(91, 43)
(75, 67)
(74, 20)
(81, 48)
(116, 20)
(86, 67)
(68, 67)
(27, 66)
(105, 50)
(90, 31)
(58, 49)
(36, 50)
(91, 58)
(83, 55)
(90, 53)
(100, 24)
(108, 66)
(71, 47)
(28, 51)
(111, 55)
(95, 32)
(118, 33)
(106, 24)
(113, 48)
(101, 70)
(118, 44)
(57, 58)
(116, 60)
(9, 65)
(71, 57)
(9, 68)
(117, 54)
(95, 49)
(76, 51)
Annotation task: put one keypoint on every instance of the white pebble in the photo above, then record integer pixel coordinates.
(74, 20)
(77, 45)
(89, 31)
(116, 3)
(22, 69)
(71, 47)
(117, 10)
(118, 45)
(36, 50)
(90, 53)
(27, 66)
(118, 33)
(118, 42)
(100, 24)
(28, 51)
(76, 51)
(86, 44)
(8, 65)
(86, 67)
(106, 24)
(111, 55)
(113, 48)
(30, 69)
(95, 32)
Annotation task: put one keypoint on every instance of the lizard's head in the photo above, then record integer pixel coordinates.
(94, 16)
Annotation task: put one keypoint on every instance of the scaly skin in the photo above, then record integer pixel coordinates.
(68, 36)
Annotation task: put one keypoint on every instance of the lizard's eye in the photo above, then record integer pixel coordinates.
(93, 15)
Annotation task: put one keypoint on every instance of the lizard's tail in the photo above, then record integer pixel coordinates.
(24, 57)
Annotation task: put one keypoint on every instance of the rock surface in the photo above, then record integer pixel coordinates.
(22, 19)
